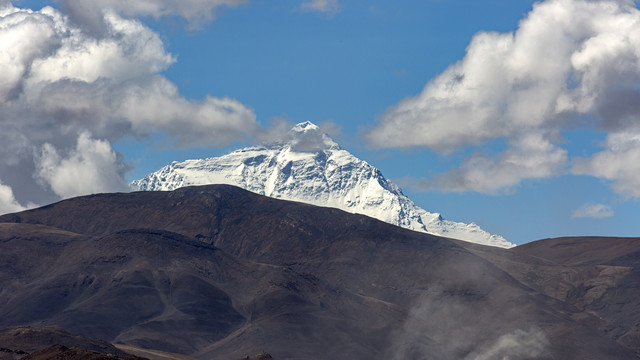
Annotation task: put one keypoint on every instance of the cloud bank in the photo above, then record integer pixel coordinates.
(67, 94)
(570, 64)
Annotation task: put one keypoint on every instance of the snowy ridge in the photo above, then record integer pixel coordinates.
(310, 167)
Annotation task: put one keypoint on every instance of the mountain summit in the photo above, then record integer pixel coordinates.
(308, 166)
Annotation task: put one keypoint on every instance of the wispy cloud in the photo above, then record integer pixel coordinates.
(569, 61)
(596, 211)
(532, 157)
(325, 6)
(88, 13)
(519, 344)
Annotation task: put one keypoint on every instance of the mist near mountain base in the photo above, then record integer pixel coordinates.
(445, 326)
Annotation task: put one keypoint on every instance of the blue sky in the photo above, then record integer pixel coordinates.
(529, 130)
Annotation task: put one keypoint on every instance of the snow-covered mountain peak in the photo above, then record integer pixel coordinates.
(304, 127)
(309, 166)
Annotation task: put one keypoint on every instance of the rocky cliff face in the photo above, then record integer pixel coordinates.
(310, 167)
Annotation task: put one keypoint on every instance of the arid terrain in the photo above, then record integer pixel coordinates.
(216, 272)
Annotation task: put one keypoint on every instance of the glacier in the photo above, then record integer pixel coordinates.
(308, 166)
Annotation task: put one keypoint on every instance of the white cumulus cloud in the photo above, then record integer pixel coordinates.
(90, 168)
(568, 63)
(67, 94)
(8, 203)
(597, 211)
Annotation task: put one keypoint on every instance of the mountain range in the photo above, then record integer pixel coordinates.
(309, 166)
(218, 272)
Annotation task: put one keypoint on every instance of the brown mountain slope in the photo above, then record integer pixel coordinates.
(218, 272)
(598, 275)
(61, 352)
(263, 356)
(582, 251)
(20, 341)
